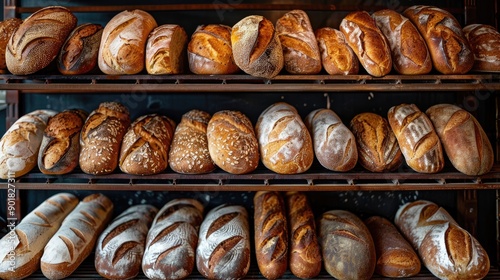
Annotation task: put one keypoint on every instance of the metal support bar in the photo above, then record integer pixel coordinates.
(467, 210)
(12, 111)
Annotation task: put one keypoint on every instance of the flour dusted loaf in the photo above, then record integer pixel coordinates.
(75, 239)
(20, 144)
(285, 143)
(120, 247)
(172, 239)
(447, 250)
(484, 41)
(60, 148)
(38, 40)
(450, 51)
(300, 48)
(123, 43)
(417, 138)
(210, 52)
(334, 144)
(7, 28)
(337, 57)
(32, 234)
(166, 50)
(101, 138)
(223, 250)
(145, 146)
(189, 149)
(256, 47)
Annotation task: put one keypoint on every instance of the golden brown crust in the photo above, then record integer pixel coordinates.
(485, 44)
(7, 28)
(337, 57)
(166, 50)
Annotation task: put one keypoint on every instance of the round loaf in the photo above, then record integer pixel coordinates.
(79, 52)
(334, 144)
(485, 44)
(256, 47)
(210, 52)
(123, 43)
(7, 28)
(368, 42)
(232, 143)
(300, 48)
(285, 143)
(166, 50)
(38, 40)
(336, 55)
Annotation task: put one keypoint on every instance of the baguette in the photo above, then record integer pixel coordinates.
(166, 50)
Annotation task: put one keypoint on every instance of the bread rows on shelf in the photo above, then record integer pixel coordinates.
(172, 242)
(416, 41)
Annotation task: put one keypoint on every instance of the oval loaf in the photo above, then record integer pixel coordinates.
(336, 55)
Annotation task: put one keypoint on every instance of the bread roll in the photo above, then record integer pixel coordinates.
(305, 252)
(75, 239)
(32, 234)
(417, 138)
(464, 140)
(337, 57)
(210, 52)
(447, 250)
(7, 28)
(123, 43)
(285, 144)
(120, 247)
(334, 144)
(189, 149)
(270, 234)
(79, 52)
(368, 43)
(145, 146)
(395, 256)
(232, 142)
(348, 248)
(101, 138)
(378, 149)
(484, 41)
(410, 55)
(300, 48)
(223, 250)
(450, 51)
(166, 50)
(256, 47)
(172, 239)
(60, 147)
(20, 144)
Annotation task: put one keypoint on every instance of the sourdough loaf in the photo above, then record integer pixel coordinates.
(337, 57)
(166, 50)
(7, 28)
(484, 41)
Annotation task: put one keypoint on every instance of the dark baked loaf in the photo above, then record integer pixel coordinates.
(7, 28)
(484, 41)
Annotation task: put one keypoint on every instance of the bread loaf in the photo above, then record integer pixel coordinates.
(285, 143)
(101, 138)
(189, 149)
(334, 144)
(145, 146)
(60, 147)
(410, 55)
(38, 40)
(464, 140)
(31, 235)
(417, 138)
(270, 234)
(20, 144)
(484, 41)
(210, 52)
(395, 256)
(450, 51)
(305, 252)
(79, 52)
(378, 149)
(223, 250)
(7, 28)
(347, 245)
(447, 250)
(166, 50)
(75, 239)
(120, 247)
(232, 142)
(256, 47)
(300, 48)
(368, 42)
(337, 57)
(123, 43)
